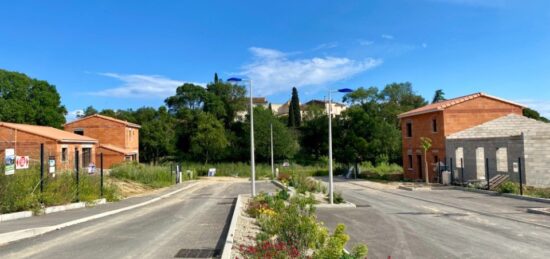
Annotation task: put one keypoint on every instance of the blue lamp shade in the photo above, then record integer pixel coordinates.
(345, 90)
(234, 79)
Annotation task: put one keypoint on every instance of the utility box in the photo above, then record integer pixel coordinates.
(446, 177)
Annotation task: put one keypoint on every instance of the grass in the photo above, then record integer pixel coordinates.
(263, 171)
(512, 187)
(382, 171)
(152, 176)
(21, 191)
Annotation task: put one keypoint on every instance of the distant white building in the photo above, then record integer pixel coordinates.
(280, 110)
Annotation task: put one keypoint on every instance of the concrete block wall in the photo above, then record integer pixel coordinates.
(537, 159)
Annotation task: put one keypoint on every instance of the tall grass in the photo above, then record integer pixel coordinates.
(21, 191)
(263, 171)
(153, 176)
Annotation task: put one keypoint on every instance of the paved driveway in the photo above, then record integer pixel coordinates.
(440, 224)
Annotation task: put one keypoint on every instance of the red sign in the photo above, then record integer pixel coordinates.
(21, 162)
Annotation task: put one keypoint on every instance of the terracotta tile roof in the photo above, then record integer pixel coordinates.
(440, 106)
(129, 124)
(118, 149)
(49, 132)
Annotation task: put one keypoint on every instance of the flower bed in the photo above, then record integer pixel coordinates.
(279, 226)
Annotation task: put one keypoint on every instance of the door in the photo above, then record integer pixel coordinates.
(420, 167)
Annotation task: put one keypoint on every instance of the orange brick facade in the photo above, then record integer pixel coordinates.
(28, 144)
(452, 119)
(118, 140)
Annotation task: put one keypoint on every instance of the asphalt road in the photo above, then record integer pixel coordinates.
(440, 224)
(195, 219)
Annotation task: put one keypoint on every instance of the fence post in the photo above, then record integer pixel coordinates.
(520, 177)
(462, 171)
(452, 173)
(438, 170)
(101, 173)
(487, 173)
(41, 167)
(77, 163)
(171, 171)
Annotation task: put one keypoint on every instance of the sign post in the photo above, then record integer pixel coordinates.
(9, 161)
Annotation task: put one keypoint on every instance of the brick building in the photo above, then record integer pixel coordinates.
(439, 120)
(118, 139)
(59, 144)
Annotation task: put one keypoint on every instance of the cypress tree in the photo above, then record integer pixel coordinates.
(215, 78)
(294, 114)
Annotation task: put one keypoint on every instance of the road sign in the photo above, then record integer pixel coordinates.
(9, 161)
(22, 162)
(51, 163)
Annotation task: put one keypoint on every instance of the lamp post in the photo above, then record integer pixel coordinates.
(330, 177)
(252, 160)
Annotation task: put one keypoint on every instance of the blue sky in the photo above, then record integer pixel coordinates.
(128, 54)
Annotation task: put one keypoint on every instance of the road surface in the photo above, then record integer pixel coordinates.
(192, 223)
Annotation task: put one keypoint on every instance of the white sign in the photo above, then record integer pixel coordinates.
(51, 163)
(22, 162)
(515, 167)
(212, 172)
(9, 161)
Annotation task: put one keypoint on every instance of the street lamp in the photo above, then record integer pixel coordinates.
(252, 160)
(331, 184)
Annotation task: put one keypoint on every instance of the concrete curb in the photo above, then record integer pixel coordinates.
(71, 206)
(539, 211)
(407, 188)
(15, 215)
(507, 195)
(9, 237)
(226, 253)
(291, 190)
(347, 204)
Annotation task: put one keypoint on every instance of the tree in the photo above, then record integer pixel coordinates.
(30, 101)
(209, 141)
(361, 96)
(157, 134)
(438, 96)
(425, 144)
(188, 96)
(108, 112)
(224, 100)
(284, 143)
(294, 114)
(90, 110)
(216, 78)
(530, 113)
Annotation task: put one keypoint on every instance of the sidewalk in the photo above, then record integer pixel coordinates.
(57, 218)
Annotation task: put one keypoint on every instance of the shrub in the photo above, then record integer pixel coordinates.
(337, 198)
(153, 176)
(270, 249)
(508, 187)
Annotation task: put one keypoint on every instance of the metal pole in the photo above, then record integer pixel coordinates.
(520, 177)
(487, 173)
(41, 167)
(252, 162)
(101, 172)
(462, 171)
(77, 162)
(439, 171)
(451, 167)
(272, 164)
(330, 183)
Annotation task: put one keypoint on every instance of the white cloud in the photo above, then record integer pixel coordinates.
(72, 115)
(329, 45)
(365, 42)
(272, 71)
(387, 36)
(542, 106)
(141, 86)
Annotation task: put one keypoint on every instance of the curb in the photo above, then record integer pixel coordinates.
(406, 188)
(507, 195)
(347, 204)
(9, 237)
(70, 206)
(290, 190)
(539, 211)
(52, 209)
(15, 215)
(226, 253)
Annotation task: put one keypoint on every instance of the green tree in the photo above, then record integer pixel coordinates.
(284, 143)
(530, 113)
(425, 144)
(108, 112)
(362, 96)
(30, 101)
(224, 100)
(438, 96)
(209, 141)
(188, 96)
(90, 110)
(294, 114)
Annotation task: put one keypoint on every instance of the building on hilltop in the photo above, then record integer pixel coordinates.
(118, 139)
(439, 120)
(59, 146)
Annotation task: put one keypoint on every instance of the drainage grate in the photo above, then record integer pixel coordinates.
(362, 205)
(198, 253)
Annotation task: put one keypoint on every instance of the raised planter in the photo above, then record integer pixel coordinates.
(229, 240)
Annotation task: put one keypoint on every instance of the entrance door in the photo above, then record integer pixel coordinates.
(420, 167)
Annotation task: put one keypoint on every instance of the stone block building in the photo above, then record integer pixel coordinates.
(118, 139)
(439, 120)
(58, 144)
(509, 144)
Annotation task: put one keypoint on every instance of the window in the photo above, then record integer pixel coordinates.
(434, 125)
(502, 159)
(64, 154)
(79, 132)
(409, 129)
(410, 161)
(86, 156)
